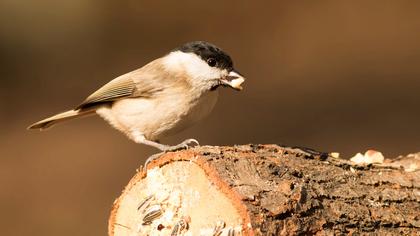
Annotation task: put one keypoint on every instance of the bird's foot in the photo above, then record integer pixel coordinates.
(184, 145)
(152, 158)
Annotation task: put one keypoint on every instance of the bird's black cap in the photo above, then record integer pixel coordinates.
(207, 51)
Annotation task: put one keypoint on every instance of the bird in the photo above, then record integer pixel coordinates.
(162, 98)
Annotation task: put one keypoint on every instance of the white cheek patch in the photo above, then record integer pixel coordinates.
(193, 65)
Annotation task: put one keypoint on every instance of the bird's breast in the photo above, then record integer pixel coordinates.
(198, 108)
(162, 115)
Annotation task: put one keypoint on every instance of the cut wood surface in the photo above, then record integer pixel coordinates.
(268, 190)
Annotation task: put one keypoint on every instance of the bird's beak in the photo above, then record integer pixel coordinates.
(233, 80)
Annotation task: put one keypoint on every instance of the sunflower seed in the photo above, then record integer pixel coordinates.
(180, 226)
(145, 203)
(152, 213)
(218, 227)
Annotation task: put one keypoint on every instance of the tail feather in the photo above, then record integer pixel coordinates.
(67, 115)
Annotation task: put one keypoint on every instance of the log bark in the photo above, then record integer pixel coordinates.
(269, 190)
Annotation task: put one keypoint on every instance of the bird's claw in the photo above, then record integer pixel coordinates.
(184, 145)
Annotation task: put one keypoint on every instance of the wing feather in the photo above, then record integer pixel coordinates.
(114, 90)
(144, 82)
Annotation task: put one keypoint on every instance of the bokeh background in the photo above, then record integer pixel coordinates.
(332, 75)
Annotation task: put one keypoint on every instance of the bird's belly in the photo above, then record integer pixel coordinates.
(156, 118)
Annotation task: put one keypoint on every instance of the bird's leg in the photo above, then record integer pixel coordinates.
(184, 145)
(140, 138)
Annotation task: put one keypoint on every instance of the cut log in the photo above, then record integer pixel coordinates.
(268, 190)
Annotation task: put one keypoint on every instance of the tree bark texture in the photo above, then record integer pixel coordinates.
(269, 190)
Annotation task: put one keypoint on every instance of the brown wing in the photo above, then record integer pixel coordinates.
(120, 87)
(144, 82)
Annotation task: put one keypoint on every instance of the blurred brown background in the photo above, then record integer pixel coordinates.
(331, 75)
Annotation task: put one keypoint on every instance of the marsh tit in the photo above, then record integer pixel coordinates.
(163, 97)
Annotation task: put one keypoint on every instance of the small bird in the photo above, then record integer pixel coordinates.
(161, 98)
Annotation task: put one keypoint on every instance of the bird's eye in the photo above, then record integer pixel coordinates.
(211, 62)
